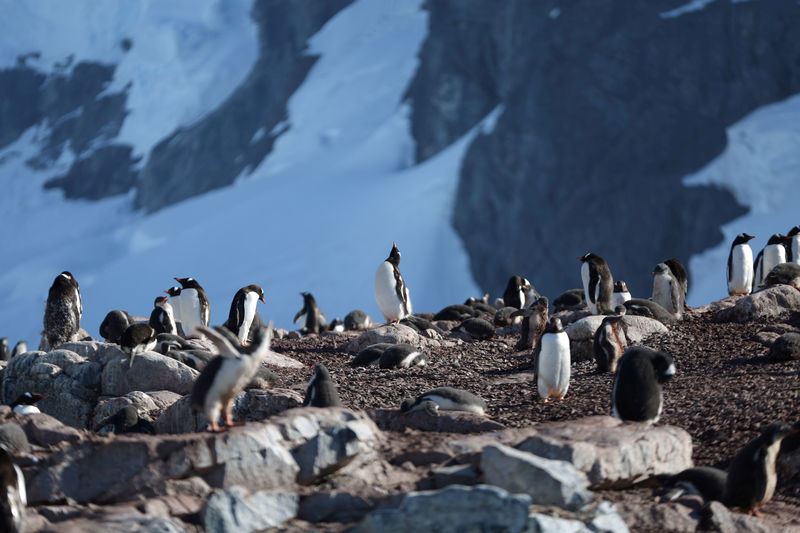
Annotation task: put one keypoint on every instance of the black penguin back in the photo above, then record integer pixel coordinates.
(114, 325)
(62, 316)
(321, 391)
(636, 393)
(204, 382)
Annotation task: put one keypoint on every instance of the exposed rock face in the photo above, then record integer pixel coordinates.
(767, 303)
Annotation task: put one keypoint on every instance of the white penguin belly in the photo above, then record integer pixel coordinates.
(796, 249)
(619, 298)
(446, 404)
(386, 294)
(585, 278)
(662, 292)
(554, 365)
(741, 281)
(771, 477)
(250, 302)
(410, 359)
(774, 254)
(26, 409)
(224, 383)
(190, 303)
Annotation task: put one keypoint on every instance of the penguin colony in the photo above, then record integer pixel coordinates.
(243, 341)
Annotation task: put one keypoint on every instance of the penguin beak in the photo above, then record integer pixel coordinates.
(177, 279)
(263, 300)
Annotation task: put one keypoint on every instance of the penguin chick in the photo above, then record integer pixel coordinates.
(312, 319)
(507, 316)
(446, 399)
(391, 292)
(243, 319)
(114, 325)
(534, 320)
(357, 320)
(680, 274)
(609, 341)
(25, 404)
(321, 391)
(519, 293)
(402, 356)
(13, 497)
(421, 325)
(162, 317)
(706, 481)
(336, 325)
(552, 361)
(227, 373)
(598, 285)
(127, 420)
(370, 355)
(636, 393)
(138, 338)
(784, 274)
(475, 329)
(456, 312)
(62, 314)
(621, 294)
(667, 290)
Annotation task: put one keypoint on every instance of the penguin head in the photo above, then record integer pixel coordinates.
(742, 238)
(661, 269)
(407, 404)
(586, 257)
(620, 310)
(554, 325)
(620, 286)
(515, 283)
(173, 291)
(256, 289)
(776, 431)
(27, 398)
(308, 298)
(394, 255)
(541, 304)
(321, 373)
(68, 275)
(778, 238)
(794, 231)
(160, 300)
(663, 365)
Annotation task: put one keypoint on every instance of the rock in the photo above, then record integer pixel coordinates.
(717, 517)
(13, 438)
(546, 481)
(180, 418)
(785, 348)
(150, 371)
(97, 351)
(259, 404)
(638, 328)
(399, 334)
(766, 338)
(670, 516)
(445, 422)
(539, 523)
(333, 507)
(234, 511)
(581, 337)
(766, 303)
(163, 398)
(281, 361)
(44, 430)
(454, 475)
(328, 451)
(607, 519)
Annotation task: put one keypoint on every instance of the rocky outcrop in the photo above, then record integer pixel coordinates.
(767, 303)
(581, 333)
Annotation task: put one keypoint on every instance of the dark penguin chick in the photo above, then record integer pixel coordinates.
(138, 338)
(534, 320)
(751, 473)
(447, 399)
(667, 290)
(421, 325)
(649, 309)
(552, 359)
(336, 325)
(472, 301)
(636, 393)
(507, 316)
(740, 265)
(680, 274)
(391, 292)
(456, 312)
(609, 341)
(227, 373)
(25, 404)
(127, 420)
(357, 320)
(570, 300)
(773, 254)
(321, 391)
(784, 274)
(191, 357)
(243, 319)
(402, 356)
(621, 294)
(598, 285)
(5, 353)
(519, 292)
(706, 481)
(481, 305)
(792, 441)
(114, 325)
(475, 329)
(370, 355)
(793, 248)
(20, 348)
(13, 497)
(312, 319)
(162, 317)
(62, 314)
(195, 310)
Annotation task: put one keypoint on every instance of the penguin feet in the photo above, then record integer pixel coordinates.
(216, 428)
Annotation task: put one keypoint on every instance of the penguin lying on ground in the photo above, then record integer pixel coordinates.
(391, 292)
(475, 329)
(456, 312)
(13, 497)
(707, 481)
(571, 300)
(784, 274)
(62, 314)
(370, 355)
(321, 391)
(162, 317)
(552, 361)
(114, 325)
(740, 265)
(127, 420)
(312, 319)
(636, 393)
(25, 404)
(420, 324)
(243, 319)
(446, 399)
(402, 356)
(649, 309)
(357, 320)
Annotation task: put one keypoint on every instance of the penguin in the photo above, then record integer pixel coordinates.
(598, 284)
(475, 329)
(751, 473)
(5, 353)
(784, 274)
(25, 404)
(138, 338)
(793, 252)
(621, 294)
(195, 311)
(636, 393)
(519, 293)
(227, 373)
(680, 274)
(20, 348)
(773, 254)
(321, 391)
(114, 325)
(391, 292)
(534, 320)
(62, 315)
(446, 399)
(127, 420)
(740, 266)
(481, 305)
(357, 320)
(336, 325)
(243, 317)
(552, 360)
(609, 341)
(312, 319)
(571, 300)
(456, 312)
(667, 290)
(420, 324)
(649, 309)
(370, 355)
(707, 481)
(402, 356)
(507, 316)
(13, 497)
(162, 317)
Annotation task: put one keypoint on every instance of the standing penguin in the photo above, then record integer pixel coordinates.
(621, 294)
(519, 293)
(793, 253)
(138, 338)
(5, 353)
(598, 284)
(751, 474)
(195, 311)
(552, 360)
(162, 317)
(312, 319)
(62, 314)
(13, 497)
(243, 317)
(610, 342)
(667, 290)
(740, 266)
(391, 292)
(227, 373)
(534, 320)
(636, 394)
(774, 253)
(321, 391)
(680, 274)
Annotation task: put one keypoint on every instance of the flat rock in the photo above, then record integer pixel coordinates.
(669, 516)
(260, 404)
(638, 328)
(391, 334)
(767, 303)
(150, 371)
(333, 507)
(281, 361)
(234, 511)
(13, 438)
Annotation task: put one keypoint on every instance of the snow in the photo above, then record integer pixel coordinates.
(690, 7)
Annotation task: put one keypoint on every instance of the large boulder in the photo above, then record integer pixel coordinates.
(581, 333)
(392, 334)
(150, 371)
(234, 511)
(767, 303)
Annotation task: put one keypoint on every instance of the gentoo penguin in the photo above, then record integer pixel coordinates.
(336, 325)
(25, 404)
(680, 274)
(571, 300)
(62, 315)
(475, 329)
(195, 310)
(667, 290)
(740, 266)
(13, 497)
(5, 353)
(609, 341)
(482, 304)
(138, 338)
(519, 293)
(391, 292)
(420, 324)
(446, 399)
(534, 320)
(793, 253)
(402, 356)
(227, 373)
(507, 316)
(552, 360)
(114, 325)
(456, 312)
(621, 294)
(127, 420)
(312, 319)
(243, 317)
(706, 481)
(357, 320)
(636, 394)
(20, 348)
(649, 309)
(162, 317)
(598, 285)
(784, 274)
(370, 355)
(751, 473)
(774, 253)
(321, 391)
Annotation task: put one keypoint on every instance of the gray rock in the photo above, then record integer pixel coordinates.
(150, 371)
(13, 438)
(44, 430)
(234, 511)
(539, 523)
(445, 422)
(395, 334)
(97, 351)
(328, 451)
(581, 337)
(607, 519)
(670, 516)
(180, 418)
(107, 407)
(119, 522)
(259, 404)
(444, 476)
(718, 518)
(768, 303)
(333, 507)
(638, 328)
(785, 348)
(546, 481)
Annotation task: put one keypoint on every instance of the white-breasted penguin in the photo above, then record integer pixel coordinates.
(25, 404)
(447, 399)
(667, 290)
(519, 293)
(402, 356)
(243, 317)
(636, 393)
(195, 310)
(552, 360)
(391, 292)
(227, 373)
(680, 274)
(312, 319)
(621, 294)
(793, 252)
(13, 497)
(773, 254)
(321, 391)
(598, 285)
(370, 355)
(114, 325)
(62, 314)
(127, 420)
(609, 341)
(20, 348)
(740, 265)
(138, 338)
(162, 317)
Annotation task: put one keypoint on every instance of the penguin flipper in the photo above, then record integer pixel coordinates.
(594, 279)
(220, 342)
(299, 314)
